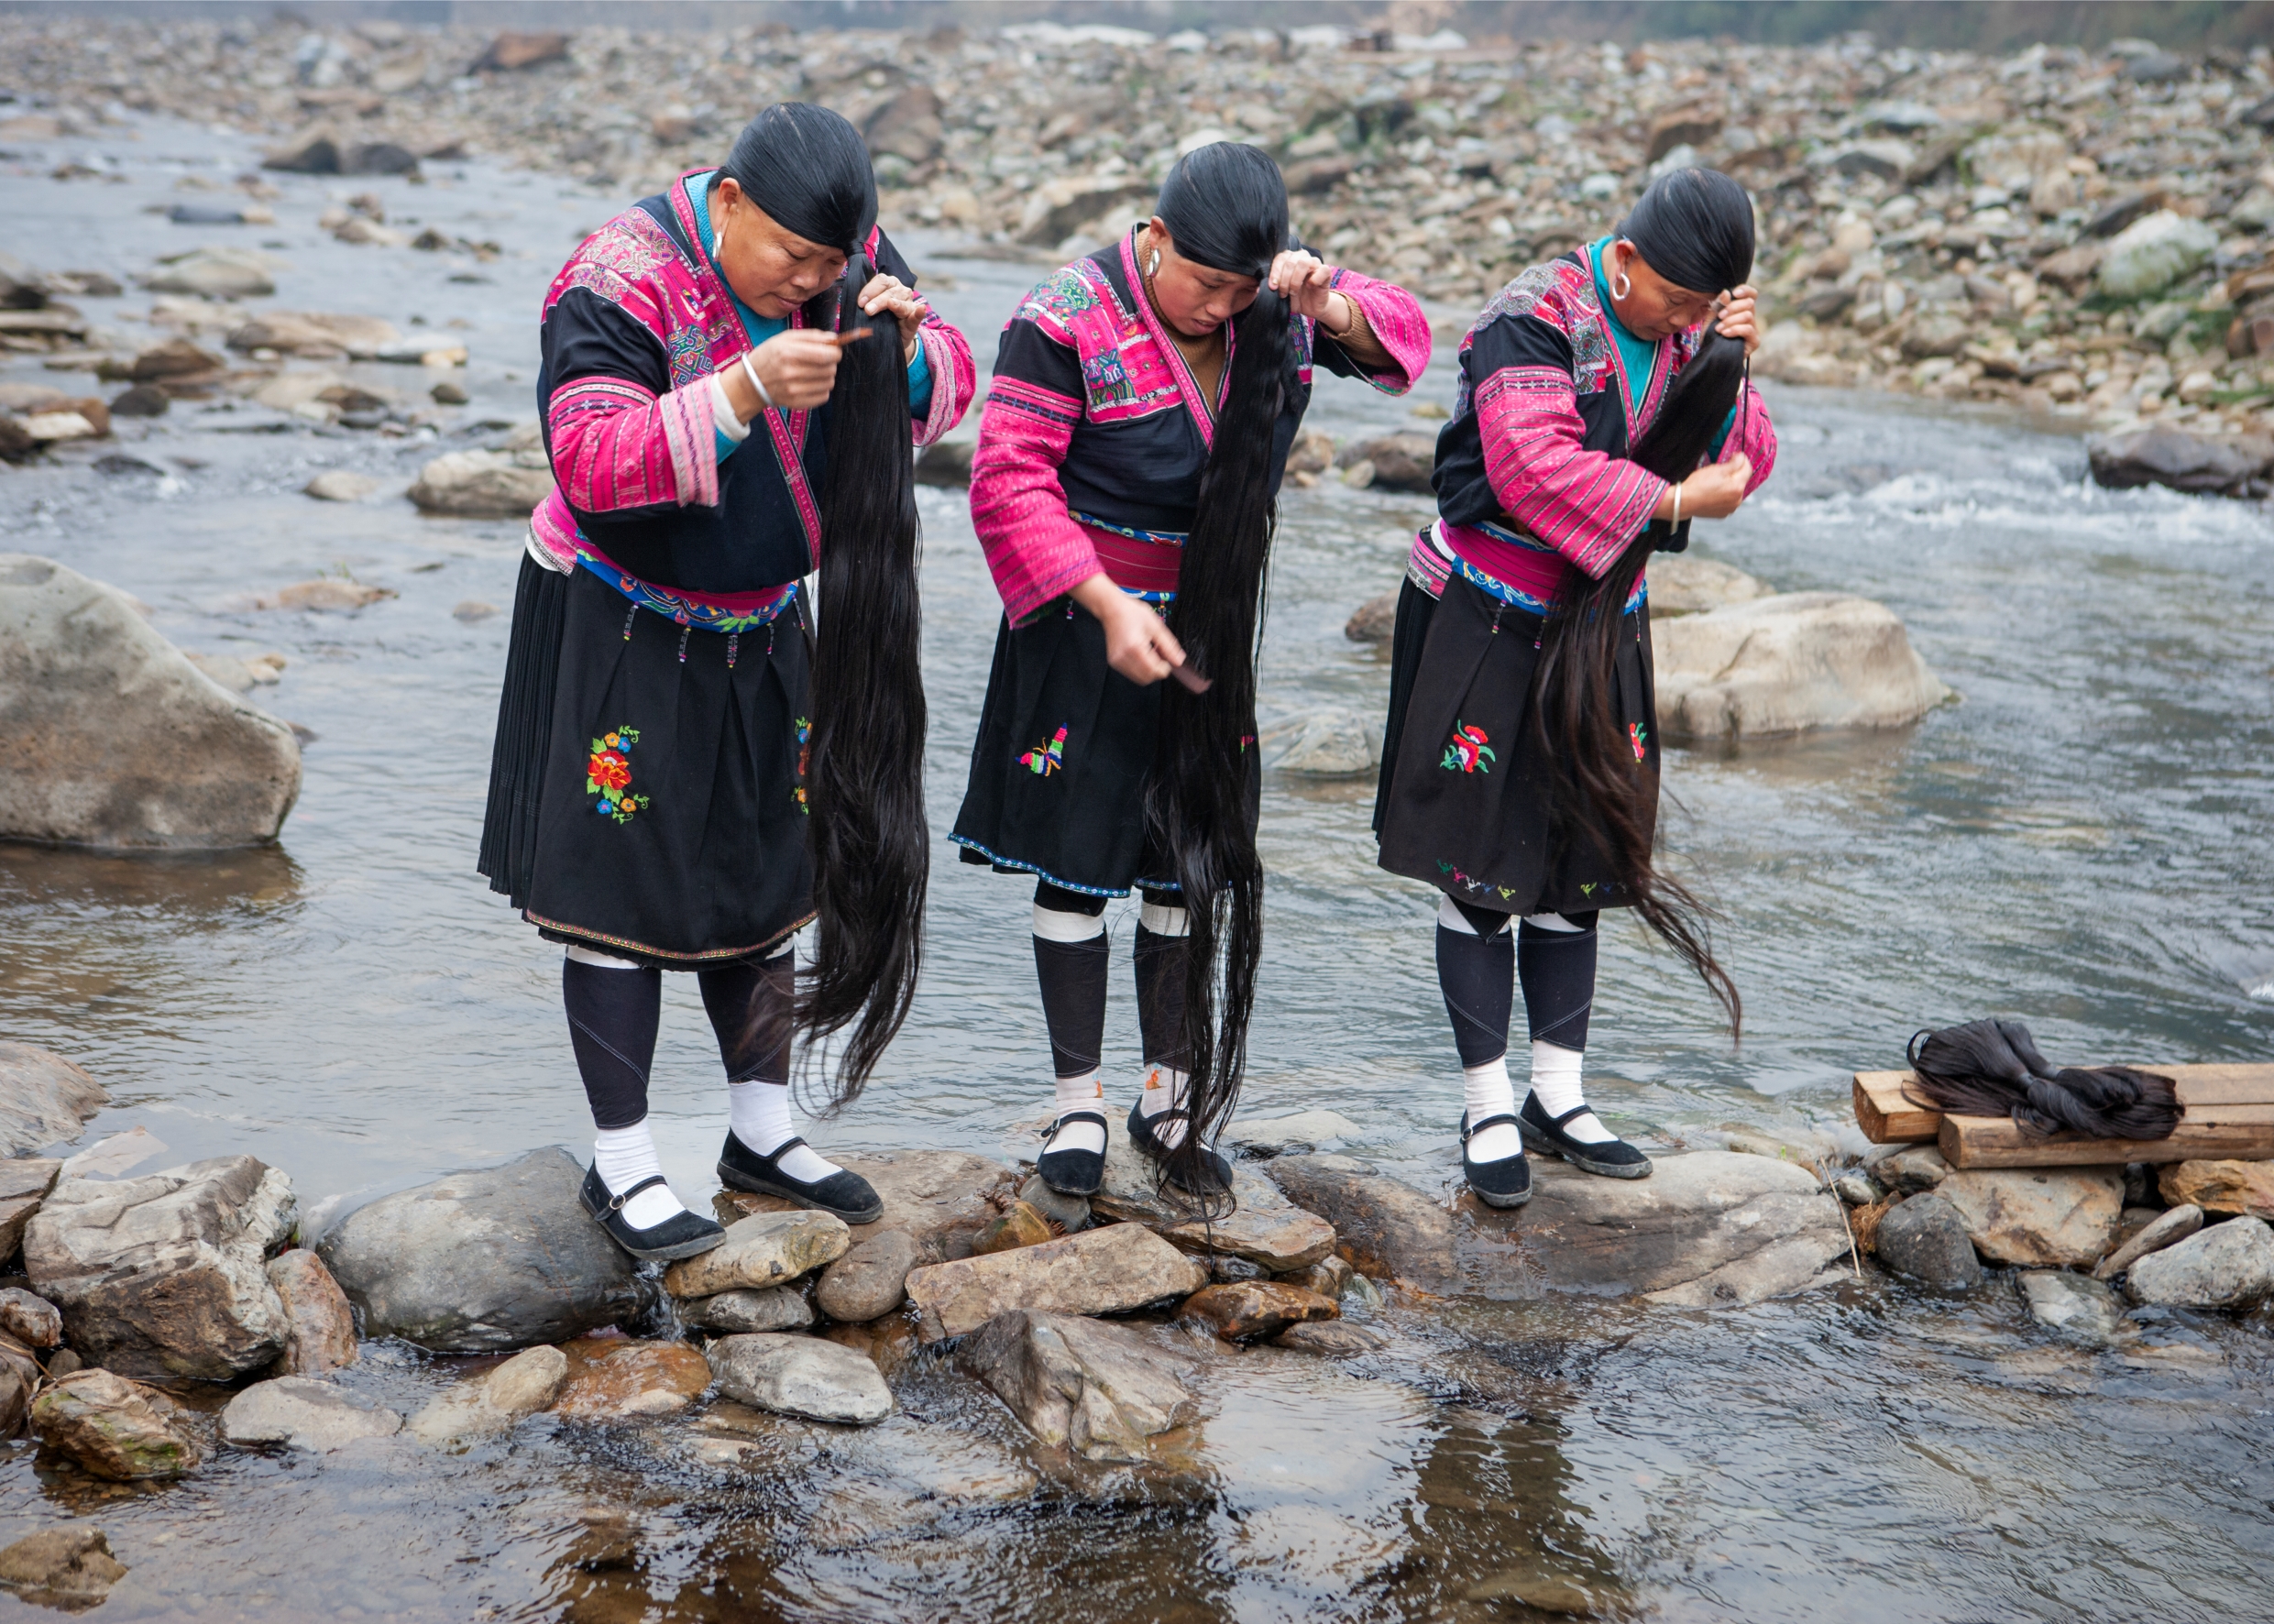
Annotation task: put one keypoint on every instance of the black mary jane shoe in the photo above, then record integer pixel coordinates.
(1216, 1178)
(1503, 1183)
(1613, 1158)
(1072, 1172)
(842, 1194)
(683, 1235)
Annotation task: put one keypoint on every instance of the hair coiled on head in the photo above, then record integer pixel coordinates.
(1991, 1067)
(1226, 206)
(865, 828)
(1694, 227)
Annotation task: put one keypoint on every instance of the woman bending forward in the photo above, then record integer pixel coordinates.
(1602, 406)
(1145, 398)
(648, 801)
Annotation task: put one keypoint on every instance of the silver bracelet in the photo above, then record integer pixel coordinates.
(765, 399)
(1675, 523)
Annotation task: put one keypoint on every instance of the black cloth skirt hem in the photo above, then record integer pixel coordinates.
(1467, 785)
(647, 782)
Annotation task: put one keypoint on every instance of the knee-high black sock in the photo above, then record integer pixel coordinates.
(612, 1017)
(1073, 976)
(1160, 998)
(749, 1005)
(1557, 969)
(1476, 974)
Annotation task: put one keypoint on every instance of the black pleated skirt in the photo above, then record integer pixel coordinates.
(646, 788)
(1065, 754)
(1466, 784)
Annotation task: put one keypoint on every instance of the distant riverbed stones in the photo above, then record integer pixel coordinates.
(483, 484)
(484, 1261)
(119, 740)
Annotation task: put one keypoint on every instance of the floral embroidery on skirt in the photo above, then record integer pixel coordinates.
(608, 774)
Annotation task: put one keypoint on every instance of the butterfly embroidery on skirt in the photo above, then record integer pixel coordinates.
(1636, 733)
(608, 774)
(1045, 759)
(1469, 750)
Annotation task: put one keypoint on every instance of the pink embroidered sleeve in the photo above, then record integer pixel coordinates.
(616, 446)
(1585, 505)
(1396, 318)
(948, 355)
(1035, 550)
(1755, 436)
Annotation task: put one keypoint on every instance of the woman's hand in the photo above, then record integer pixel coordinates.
(798, 367)
(1715, 491)
(1305, 281)
(1736, 319)
(907, 306)
(1138, 640)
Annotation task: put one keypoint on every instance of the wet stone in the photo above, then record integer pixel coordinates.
(319, 1323)
(1111, 1269)
(305, 1413)
(115, 1428)
(1267, 1228)
(1022, 1225)
(25, 1182)
(801, 1376)
(1251, 1311)
(1912, 1170)
(1926, 1239)
(2166, 1229)
(1336, 1339)
(615, 1378)
(777, 1308)
(495, 1400)
(2078, 1306)
(483, 484)
(68, 1567)
(1383, 1225)
(1330, 1276)
(1098, 1390)
(1373, 620)
(1069, 1212)
(2224, 1266)
(868, 1282)
(1789, 663)
(941, 1198)
(2038, 1217)
(32, 1320)
(2229, 1186)
(765, 1250)
(338, 485)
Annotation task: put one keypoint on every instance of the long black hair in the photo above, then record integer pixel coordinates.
(809, 169)
(1694, 228)
(1993, 1067)
(1224, 206)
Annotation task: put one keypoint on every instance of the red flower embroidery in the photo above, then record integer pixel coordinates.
(608, 771)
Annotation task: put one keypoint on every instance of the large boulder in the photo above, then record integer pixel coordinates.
(115, 1428)
(1787, 664)
(484, 1261)
(1108, 1270)
(162, 1276)
(1383, 1224)
(2228, 1264)
(1400, 461)
(2038, 1217)
(1711, 1229)
(1098, 1390)
(1266, 1228)
(115, 737)
(1684, 583)
(483, 484)
(2230, 465)
(1343, 742)
(44, 1100)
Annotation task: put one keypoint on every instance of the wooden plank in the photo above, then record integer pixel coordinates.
(1887, 1117)
(1996, 1142)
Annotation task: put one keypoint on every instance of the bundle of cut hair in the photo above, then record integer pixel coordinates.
(1991, 1067)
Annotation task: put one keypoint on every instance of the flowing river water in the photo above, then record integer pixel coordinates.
(2082, 841)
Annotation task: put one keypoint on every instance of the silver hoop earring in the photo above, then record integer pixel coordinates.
(1621, 286)
(1152, 266)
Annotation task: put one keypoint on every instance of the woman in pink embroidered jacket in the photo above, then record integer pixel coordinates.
(1603, 404)
(658, 742)
(1144, 401)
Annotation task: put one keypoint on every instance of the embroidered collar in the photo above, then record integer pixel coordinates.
(1179, 367)
(1638, 411)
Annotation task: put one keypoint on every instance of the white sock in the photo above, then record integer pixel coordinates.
(1162, 920)
(626, 1156)
(1555, 1085)
(1086, 1092)
(1487, 1092)
(1164, 1091)
(758, 1111)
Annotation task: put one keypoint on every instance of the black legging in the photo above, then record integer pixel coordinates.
(613, 1015)
(1555, 967)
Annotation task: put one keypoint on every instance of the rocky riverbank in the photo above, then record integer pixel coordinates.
(2078, 232)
